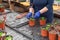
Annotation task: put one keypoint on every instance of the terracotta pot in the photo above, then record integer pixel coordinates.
(2, 9)
(58, 37)
(31, 23)
(42, 22)
(44, 33)
(2, 25)
(58, 27)
(52, 36)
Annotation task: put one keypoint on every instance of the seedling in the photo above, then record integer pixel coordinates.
(2, 34)
(1, 5)
(32, 19)
(1, 21)
(42, 21)
(8, 37)
(42, 18)
(43, 28)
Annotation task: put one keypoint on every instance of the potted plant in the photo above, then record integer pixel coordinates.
(52, 35)
(44, 31)
(59, 36)
(57, 28)
(2, 24)
(32, 22)
(42, 21)
(2, 35)
(8, 37)
(1, 8)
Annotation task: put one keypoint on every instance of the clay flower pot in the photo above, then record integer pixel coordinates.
(52, 35)
(42, 21)
(1, 8)
(44, 32)
(32, 22)
(58, 27)
(58, 37)
(2, 24)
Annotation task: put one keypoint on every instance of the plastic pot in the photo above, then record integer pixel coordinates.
(52, 35)
(2, 25)
(44, 33)
(58, 37)
(1, 8)
(42, 21)
(31, 22)
(58, 27)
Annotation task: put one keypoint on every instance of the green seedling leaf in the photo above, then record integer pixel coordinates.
(32, 19)
(1, 33)
(47, 28)
(43, 28)
(56, 22)
(48, 25)
(57, 0)
(1, 21)
(1, 5)
(42, 18)
(8, 38)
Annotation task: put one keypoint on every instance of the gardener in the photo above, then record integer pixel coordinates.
(41, 7)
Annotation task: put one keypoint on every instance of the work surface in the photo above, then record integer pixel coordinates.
(23, 32)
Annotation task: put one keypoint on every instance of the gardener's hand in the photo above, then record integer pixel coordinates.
(37, 15)
(29, 15)
(31, 10)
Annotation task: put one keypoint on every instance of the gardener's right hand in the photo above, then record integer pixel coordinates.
(31, 12)
(29, 15)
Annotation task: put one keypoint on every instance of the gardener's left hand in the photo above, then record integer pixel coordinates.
(37, 15)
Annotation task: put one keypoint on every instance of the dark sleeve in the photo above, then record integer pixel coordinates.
(49, 4)
(31, 3)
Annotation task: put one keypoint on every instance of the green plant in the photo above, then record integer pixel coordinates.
(1, 21)
(47, 27)
(32, 18)
(1, 5)
(1, 34)
(42, 18)
(8, 37)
